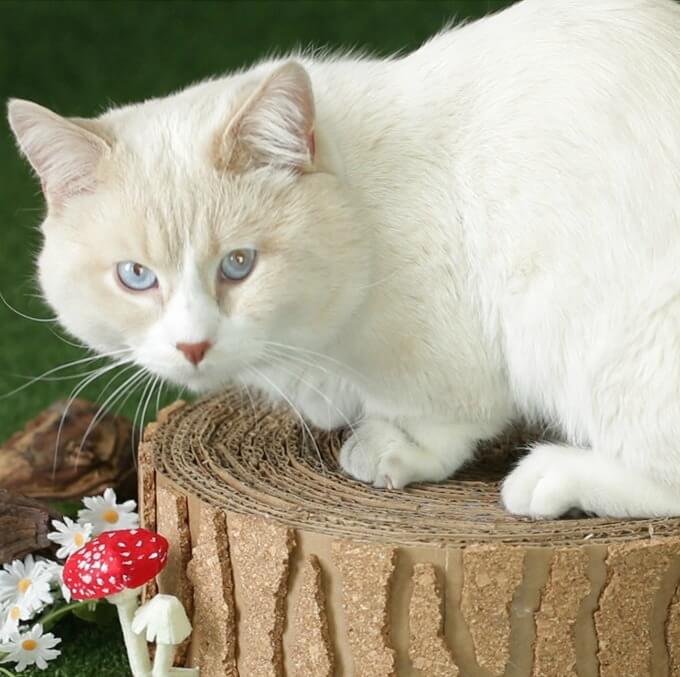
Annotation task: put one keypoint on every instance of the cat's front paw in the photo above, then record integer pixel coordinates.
(542, 486)
(381, 454)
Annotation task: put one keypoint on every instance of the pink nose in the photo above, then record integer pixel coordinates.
(194, 352)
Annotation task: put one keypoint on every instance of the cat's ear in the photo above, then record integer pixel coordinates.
(65, 153)
(275, 126)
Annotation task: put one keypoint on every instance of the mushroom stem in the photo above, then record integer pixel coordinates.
(162, 662)
(138, 654)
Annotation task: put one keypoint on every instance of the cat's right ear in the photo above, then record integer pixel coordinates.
(65, 154)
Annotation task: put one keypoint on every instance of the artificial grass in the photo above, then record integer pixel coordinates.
(78, 57)
(86, 650)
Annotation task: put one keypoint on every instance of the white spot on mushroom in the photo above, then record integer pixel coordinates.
(112, 580)
(105, 591)
(97, 555)
(153, 555)
(105, 567)
(125, 554)
(87, 578)
(138, 544)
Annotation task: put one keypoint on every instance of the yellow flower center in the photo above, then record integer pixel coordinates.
(24, 584)
(111, 516)
(15, 613)
(29, 645)
(78, 540)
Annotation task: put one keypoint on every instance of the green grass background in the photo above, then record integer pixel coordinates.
(81, 57)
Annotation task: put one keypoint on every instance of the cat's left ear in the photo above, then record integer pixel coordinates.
(65, 153)
(275, 126)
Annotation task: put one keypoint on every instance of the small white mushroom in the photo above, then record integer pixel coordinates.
(165, 621)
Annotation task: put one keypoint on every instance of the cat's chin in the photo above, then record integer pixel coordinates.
(204, 384)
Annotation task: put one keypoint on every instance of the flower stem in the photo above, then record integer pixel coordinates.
(49, 619)
(4, 672)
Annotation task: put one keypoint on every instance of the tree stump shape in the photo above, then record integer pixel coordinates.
(304, 584)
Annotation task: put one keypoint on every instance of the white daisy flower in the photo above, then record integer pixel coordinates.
(56, 571)
(26, 584)
(10, 619)
(104, 514)
(70, 535)
(30, 648)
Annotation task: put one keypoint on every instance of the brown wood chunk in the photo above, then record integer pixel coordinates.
(312, 652)
(567, 586)
(366, 575)
(427, 647)
(172, 518)
(214, 613)
(623, 620)
(491, 575)
(24, 525)
(58, 456)
(260, 557)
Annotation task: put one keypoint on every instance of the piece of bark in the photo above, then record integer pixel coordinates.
(24, 525)
(42, 462)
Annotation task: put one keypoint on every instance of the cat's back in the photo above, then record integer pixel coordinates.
(572, 97)
(543, 39)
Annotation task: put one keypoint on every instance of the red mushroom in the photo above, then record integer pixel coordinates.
(114, 566)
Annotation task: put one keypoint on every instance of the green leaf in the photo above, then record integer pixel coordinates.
(68, 508)
(49, 619)
(86, 612)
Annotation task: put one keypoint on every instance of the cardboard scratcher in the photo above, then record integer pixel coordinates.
(289, 567)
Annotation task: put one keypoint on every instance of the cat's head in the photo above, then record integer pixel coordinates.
(193, 233)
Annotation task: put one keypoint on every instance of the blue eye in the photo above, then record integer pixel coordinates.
(238, 264)
(135, 276)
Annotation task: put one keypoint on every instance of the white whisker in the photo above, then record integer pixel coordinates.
(134, 443)
(313, 353)
(315, 389)
(158, 397)
(72, 396)
(63, 339)
(74, 363)
(26, 317)
(250, 397)
(297, 413)
(103, 409)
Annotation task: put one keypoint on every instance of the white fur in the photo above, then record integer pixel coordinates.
(490, 228)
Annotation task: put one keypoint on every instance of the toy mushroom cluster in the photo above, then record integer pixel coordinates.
(115, 566)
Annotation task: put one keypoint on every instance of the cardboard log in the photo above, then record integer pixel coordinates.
(296, 570)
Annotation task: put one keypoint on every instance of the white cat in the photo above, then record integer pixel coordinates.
(426, 246)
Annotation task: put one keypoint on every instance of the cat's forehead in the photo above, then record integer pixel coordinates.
(207, 210)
